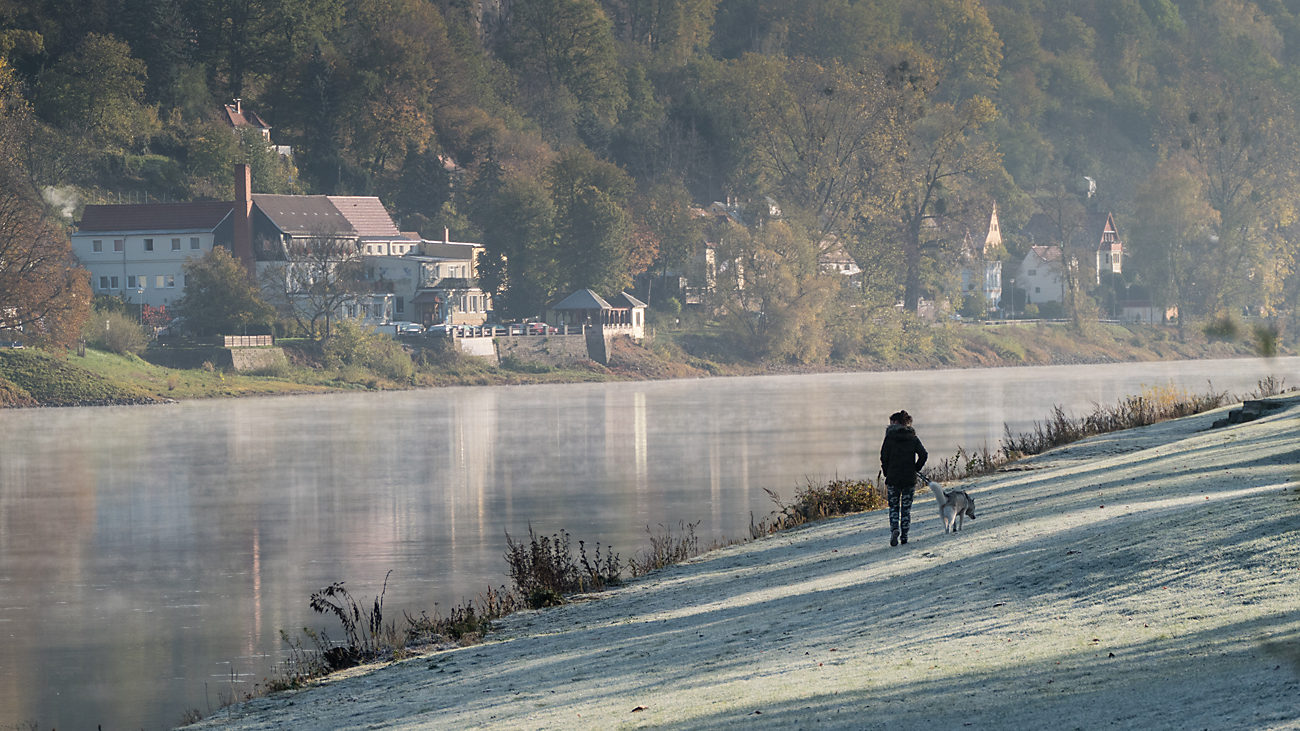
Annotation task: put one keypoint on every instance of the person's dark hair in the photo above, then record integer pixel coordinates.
(902, 417)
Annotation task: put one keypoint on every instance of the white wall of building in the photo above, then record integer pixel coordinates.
(142, 266)
(1040, 279)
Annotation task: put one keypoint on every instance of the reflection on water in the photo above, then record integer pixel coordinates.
(149, 556)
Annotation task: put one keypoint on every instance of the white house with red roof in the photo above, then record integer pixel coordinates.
(137, 251)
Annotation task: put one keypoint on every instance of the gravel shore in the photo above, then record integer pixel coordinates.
(1145, 579)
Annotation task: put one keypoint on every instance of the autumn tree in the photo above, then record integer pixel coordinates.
(671, 30)
(1172, 238)
(518, 266)
(595, 246)
(947, 160)
(770, 287)
(568, 46)
(958, 35)
(824, 136)
(243, 39)
(219, 297)
(1241, 140)
(99, 88)
(665, 210)
(43, 290)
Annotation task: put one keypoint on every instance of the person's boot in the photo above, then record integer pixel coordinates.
(903, 539)
(893, 538)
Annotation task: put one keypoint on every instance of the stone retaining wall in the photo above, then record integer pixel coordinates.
(240, 360)
(550, 349)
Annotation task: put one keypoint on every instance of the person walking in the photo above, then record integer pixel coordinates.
(901, 457)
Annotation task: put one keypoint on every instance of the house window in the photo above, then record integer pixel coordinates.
(113, 282)
(176, 244)
(148, 244)
(401, 305)
(1037, 290)
(194, 243)
(103, 282)
(1033, 272)
(130, 281)
(186, 281)
(171, 281)
(97, 246)
(159, 281)
(119, 244)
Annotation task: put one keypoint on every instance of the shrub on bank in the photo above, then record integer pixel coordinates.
(115, 332)
(355, 346)
(818, 502)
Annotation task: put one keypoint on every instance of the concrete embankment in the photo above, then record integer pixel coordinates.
(1145, 579)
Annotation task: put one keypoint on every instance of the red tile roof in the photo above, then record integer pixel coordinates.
(200, 216)
(244, 117)
(367, 215)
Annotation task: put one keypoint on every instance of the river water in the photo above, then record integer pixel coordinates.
(150, 556)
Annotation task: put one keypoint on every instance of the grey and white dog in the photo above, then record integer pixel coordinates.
(953, 506)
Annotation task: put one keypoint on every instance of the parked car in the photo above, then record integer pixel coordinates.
(409, 328)
(174, 328)
(441, 328)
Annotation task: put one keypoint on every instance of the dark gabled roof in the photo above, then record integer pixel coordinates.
(625, 300)
(1094, 225)
(1041, 232)
(200, 216)
(303, 214)
(583, 299)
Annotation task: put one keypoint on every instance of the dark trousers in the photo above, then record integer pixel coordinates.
(900, 507)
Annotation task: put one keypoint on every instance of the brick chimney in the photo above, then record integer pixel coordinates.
(243, 238)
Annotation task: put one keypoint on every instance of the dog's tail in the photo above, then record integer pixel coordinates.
(937, 489)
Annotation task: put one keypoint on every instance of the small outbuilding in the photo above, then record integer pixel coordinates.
(623, 315)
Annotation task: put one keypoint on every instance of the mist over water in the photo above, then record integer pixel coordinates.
(149, 556)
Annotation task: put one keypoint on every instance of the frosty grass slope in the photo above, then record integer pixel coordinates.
(1146, 579)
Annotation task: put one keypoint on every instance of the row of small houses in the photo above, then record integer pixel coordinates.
(1095, 246)
(137, 252)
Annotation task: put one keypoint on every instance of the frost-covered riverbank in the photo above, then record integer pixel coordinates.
(1143, 579)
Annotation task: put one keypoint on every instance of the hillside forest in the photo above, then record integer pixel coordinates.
(574, 137)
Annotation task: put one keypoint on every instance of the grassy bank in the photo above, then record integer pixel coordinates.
(28, 378)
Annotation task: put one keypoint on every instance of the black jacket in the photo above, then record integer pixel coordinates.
(901, 456)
